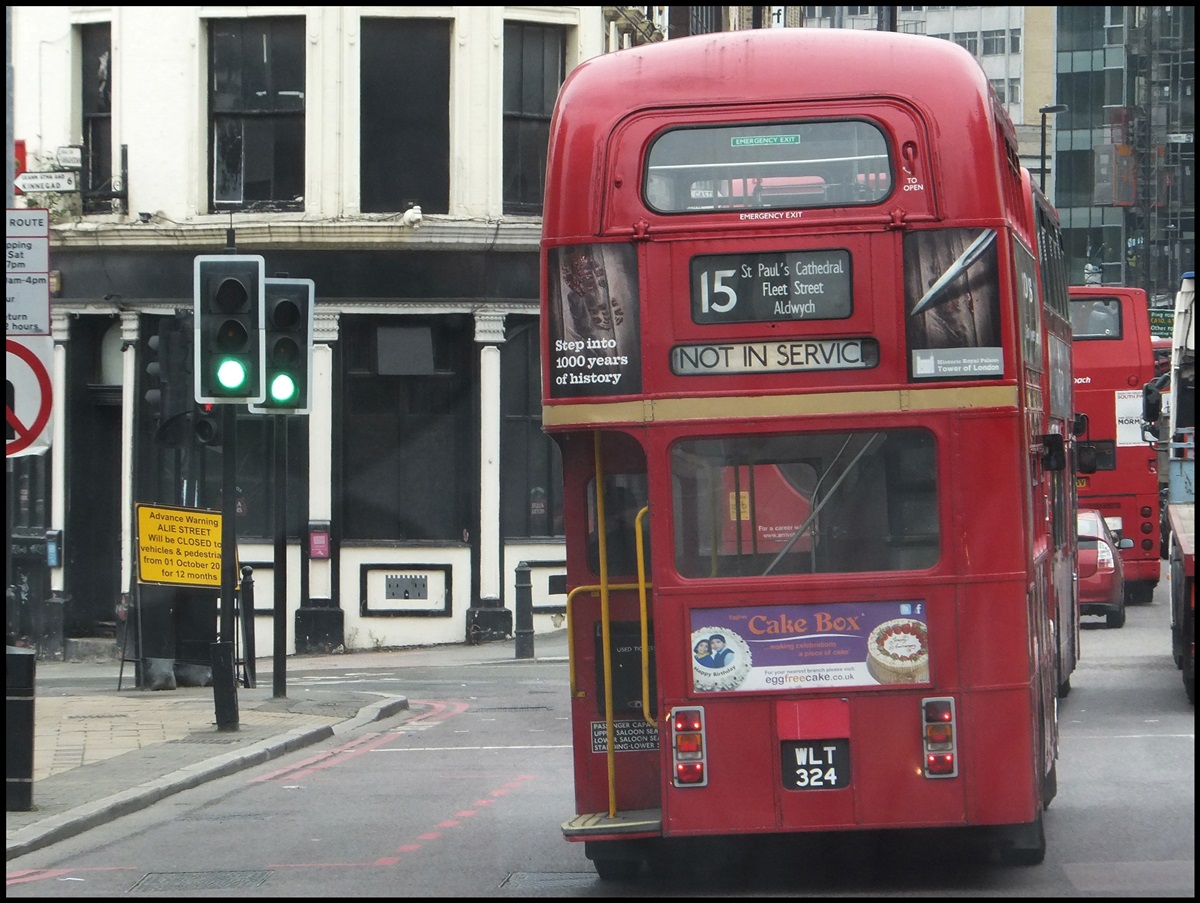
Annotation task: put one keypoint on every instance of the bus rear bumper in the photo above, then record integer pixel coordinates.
(1146, 570)
(635, 823)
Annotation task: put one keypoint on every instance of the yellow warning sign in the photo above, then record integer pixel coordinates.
(179, 545)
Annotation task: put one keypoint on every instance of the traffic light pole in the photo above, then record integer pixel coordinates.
(279, 671)
(229, 574)
(223, 660)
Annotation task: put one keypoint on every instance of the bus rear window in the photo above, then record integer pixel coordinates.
(778, 165)
(1095, 318)
(805, 503)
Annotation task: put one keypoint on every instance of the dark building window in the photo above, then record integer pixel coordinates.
(534, 65)
(531, 491)
(404, 116)
(96, 107)
(1080, 28)
(256, 100)
(409, 443)
(257, 480)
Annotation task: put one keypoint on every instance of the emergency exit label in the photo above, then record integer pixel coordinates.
(179, 546)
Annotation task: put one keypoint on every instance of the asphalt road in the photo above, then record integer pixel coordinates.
(463, 795)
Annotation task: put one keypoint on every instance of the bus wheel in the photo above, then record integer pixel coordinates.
(614, 860)
(1116, 618)
(1026, 844)
(1177, 601)
(1050, 785)
(617, 869)
(1063, 681)
(1139, 592)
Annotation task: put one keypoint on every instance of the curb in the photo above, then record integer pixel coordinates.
(89, 815)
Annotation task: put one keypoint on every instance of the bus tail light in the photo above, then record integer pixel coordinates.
(688, 747)
(939, 736)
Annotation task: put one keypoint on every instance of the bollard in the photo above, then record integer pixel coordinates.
(224, 687)
(246, 607)
(523, 617)
(19, 665)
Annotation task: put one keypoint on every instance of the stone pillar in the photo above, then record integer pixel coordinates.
(488, 619)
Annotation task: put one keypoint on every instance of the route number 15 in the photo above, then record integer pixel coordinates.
(718, 288)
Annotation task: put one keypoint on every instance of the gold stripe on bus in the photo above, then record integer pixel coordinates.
(743, 407)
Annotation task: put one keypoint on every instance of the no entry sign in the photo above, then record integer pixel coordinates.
(28, 397)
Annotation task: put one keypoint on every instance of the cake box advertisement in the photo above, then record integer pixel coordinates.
(793, 647)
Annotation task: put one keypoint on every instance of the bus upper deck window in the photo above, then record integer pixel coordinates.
(768, 165)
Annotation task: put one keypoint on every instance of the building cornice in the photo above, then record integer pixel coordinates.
(435, 233)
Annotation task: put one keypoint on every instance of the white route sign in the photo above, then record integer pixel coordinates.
(27, 273)
(47, 181)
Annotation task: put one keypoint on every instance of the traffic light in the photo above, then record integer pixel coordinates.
(288, 329)
(206, 424)
(154, 376)
(229, 295)
(169, 379)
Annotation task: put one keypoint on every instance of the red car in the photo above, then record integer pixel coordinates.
(1101, 574)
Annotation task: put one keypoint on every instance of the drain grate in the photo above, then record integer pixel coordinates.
(106, 716)
(540, 882)
(160, 882)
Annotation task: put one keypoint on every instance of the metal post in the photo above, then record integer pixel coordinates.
(524, 612)
(279, 672)
(224, 680)
(1045, 111)
(228, 521)
(246, 607)
(19, 669)
(224, 687)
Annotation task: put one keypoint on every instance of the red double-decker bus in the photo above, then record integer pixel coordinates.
(807, 360)
(1113, 358)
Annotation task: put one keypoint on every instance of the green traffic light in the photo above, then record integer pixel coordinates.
(283, 388)
(231, 374)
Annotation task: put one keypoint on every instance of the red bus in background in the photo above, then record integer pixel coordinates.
(807, 360)
(1113, 360)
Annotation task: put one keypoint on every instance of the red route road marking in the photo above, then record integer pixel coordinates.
(378, 741)
(327, 757)
(450, 823)
(439, 711)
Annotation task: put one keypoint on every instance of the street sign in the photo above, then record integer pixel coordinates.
(27, 267)
(179, 545)
(1162, 322)
(70, 156)
(28, 348)
(47, 181)
(28, 396)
